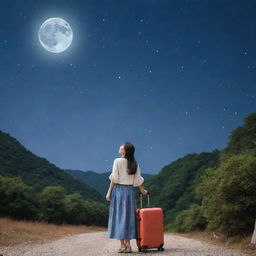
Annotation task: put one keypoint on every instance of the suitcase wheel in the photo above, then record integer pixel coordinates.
(160, 249)
(142, 249)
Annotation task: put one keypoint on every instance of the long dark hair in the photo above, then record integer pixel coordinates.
(129, 155)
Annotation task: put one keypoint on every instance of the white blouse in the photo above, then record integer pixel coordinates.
(120, 175)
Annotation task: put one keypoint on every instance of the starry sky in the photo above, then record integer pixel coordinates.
(172, 77)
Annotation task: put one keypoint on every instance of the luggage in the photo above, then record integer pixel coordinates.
(149, 227)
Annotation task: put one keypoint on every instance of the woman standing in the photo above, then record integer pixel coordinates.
(122, 212)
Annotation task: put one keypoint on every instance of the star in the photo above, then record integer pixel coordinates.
(119, 77)
(186, 112)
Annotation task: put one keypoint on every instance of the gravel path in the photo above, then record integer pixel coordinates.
(98, 244)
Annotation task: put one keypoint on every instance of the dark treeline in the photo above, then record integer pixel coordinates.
(20, 201)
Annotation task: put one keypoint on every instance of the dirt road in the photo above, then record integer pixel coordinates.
(98, 244)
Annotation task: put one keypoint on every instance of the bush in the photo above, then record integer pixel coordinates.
(228, 195)
(190, 219)
(16, 198)
(51, 201)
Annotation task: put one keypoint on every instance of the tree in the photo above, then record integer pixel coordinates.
(52, 204)
(16, 198)
(228, 195)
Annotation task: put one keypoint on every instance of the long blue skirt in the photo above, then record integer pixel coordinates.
(122, 213)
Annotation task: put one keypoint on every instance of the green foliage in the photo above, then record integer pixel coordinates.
(76, 209)
(228, 195)
(79, 211)
(20, 201)
(38, 172)
(16, 198)
(173, 188)
(190, 219)
(51, 201)
(213, 190)
(243, 138)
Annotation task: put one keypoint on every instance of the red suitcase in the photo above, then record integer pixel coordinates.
(149, 227)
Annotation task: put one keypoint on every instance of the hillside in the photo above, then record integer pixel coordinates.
(38, 172)
(173, 187)
(211, 191)
(99, 181)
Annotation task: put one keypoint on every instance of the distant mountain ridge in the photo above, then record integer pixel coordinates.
(99, 181)
(38, 172)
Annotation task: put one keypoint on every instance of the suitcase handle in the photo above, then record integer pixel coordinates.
(141, 199)
(142, 194)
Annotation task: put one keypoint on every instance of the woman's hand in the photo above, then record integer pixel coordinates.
(108, 195)
(144, 192)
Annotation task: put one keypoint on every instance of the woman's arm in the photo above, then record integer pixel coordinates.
(114, 177)
(111, 185)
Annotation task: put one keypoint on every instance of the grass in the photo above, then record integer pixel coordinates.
(14, 232)
(236, 242)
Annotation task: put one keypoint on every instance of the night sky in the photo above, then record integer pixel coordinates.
(172, 77)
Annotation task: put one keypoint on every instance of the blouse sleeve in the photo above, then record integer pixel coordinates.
(114, 176)
(138, 179)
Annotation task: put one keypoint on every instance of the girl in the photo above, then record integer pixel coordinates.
(122, 211)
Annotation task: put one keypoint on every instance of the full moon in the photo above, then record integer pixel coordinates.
(55, 35)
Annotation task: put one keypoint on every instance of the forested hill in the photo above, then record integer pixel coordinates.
(38, 172)
(213, 191)
(173, 187)
(99, 181)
